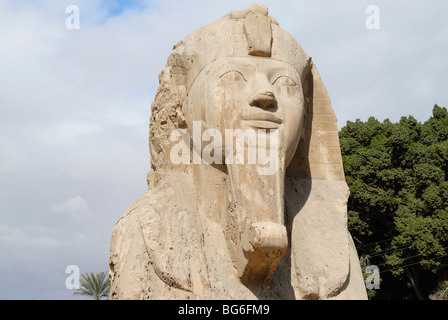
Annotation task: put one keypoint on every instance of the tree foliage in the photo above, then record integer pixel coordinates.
(397, 211)
(95, 285)
(441, 292)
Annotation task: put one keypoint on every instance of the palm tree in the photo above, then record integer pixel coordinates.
(95, 285)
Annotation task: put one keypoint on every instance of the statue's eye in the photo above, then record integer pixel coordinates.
(233, 75)
(284, 81)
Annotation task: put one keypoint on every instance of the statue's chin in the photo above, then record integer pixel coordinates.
(263, 245)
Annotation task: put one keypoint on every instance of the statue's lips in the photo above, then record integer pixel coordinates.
(263, 120)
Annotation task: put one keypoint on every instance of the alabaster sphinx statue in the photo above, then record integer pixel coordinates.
(246, 194)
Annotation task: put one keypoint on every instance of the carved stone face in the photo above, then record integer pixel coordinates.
(253, 93)
(250, 92)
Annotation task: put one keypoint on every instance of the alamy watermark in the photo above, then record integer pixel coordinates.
(72, 281)
(373, 18)
(72, 22)
(373, 278)
(237, 145)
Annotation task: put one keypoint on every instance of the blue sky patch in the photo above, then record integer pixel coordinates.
(117, 7)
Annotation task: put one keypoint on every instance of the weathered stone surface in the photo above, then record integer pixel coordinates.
(225, 229)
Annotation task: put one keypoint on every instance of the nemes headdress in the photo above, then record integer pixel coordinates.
(239, 34)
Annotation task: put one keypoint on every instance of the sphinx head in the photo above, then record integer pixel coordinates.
(234, 92)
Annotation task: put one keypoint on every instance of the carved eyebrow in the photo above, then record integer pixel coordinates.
(283, 75)
(232, 71)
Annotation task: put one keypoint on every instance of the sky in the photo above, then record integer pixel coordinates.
(75, 107)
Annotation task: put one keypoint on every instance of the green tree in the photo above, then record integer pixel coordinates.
(397, 210)
(441, 291)
(95, 285)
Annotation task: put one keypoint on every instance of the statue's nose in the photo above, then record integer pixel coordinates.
(264, 99)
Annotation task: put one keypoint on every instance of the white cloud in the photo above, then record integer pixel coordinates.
(68, 132)
(126, 118)
(11, 156)
(27, 236)
(76, 208)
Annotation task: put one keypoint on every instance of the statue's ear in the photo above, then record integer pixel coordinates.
(316, 197)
